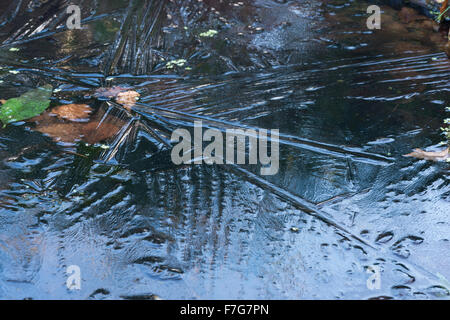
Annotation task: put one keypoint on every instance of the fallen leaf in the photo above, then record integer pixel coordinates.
(73, 112)
(2, 101)
(426, 155)
(109, 92)
(66, 132)
(127, 99)
(28, 105)
(173, 63)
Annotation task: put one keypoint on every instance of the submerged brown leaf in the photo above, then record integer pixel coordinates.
(91, 132)
(123, 96)
(98, 129)
(426, 155)
(73, 112)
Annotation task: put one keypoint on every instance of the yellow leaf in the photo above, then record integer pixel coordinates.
(109, 92)
(125, 97)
